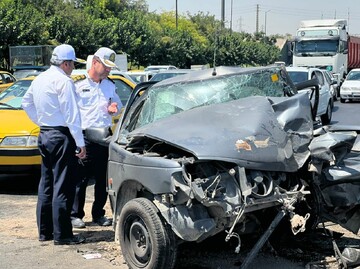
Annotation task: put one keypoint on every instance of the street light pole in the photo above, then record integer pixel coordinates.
(266, 12)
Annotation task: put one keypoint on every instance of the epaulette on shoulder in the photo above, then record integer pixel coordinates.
(76, 78)
(111, 80)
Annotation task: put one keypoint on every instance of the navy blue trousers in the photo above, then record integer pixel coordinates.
(94, 167)
(57, 184)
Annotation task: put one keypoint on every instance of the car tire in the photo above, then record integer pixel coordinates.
(335, 96)
(326, 118)
(146, 240)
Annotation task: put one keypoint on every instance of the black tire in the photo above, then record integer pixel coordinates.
(326, 118)
(146, 241)
(342, 100)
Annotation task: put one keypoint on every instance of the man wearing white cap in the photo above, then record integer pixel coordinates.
(98, 103)
(50, 102)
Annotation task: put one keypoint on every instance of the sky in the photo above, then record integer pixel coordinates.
(274, 17)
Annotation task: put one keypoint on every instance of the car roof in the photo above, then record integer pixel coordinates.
(175, 71)
(197, 75)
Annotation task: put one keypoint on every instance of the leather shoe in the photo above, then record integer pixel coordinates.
(43, 238)
(76, 239)
(102, 221)
(77, 223)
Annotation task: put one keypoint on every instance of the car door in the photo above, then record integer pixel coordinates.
(322, 96)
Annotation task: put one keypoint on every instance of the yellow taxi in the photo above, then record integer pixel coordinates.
(123, 88)
(18, 134)
(6, 80)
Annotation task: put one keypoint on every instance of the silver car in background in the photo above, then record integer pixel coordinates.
(326, 102)
(350, 89)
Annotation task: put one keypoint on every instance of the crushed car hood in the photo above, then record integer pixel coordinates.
(256, 132)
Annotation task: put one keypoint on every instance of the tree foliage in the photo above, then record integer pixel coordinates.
(126, 26)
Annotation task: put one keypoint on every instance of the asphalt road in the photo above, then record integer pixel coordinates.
(20, 248)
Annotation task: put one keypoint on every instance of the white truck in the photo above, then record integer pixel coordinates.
(325, 44)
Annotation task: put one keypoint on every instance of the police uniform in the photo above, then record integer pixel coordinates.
(93, 101)
(50, 102)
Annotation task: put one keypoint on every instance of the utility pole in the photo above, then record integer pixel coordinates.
(266, 12)
(223, 13)
(348, 20)
(176, 13)
(257, 18)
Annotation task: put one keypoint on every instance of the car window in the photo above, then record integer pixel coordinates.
(327, 77)
(320, 77)
(353, 75)
(8, 78)
(123, 90)
(13, 95)
(298, 76)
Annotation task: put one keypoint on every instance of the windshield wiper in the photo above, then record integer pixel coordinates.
(327, 53)
(306, 54)
(7, 105)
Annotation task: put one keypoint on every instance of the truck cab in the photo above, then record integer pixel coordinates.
(322, 44)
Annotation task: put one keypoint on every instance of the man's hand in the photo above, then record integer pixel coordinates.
(82, 153)
(112, 108)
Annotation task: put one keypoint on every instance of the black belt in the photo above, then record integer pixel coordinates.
(59, 128)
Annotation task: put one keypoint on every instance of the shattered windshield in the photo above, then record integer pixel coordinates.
(165, 100)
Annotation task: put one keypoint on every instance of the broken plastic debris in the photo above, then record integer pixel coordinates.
(92, 256)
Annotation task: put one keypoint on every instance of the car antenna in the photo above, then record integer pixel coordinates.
(214, 70)
(215, 48)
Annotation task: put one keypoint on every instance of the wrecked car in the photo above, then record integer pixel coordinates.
(224, 150)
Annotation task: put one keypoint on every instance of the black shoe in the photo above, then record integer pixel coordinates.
(76, 239)
(43, 238)
(102, 221)
(78, 223)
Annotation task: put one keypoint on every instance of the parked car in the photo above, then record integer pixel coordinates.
(161, 75)
(6, 79)
(350, 88)
(140, 75)
(18, 136)
(224, 149)
(332, 81)
(156, 68)
(326, 102)
(26, 71)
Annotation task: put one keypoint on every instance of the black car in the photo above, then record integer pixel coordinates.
(224, 149)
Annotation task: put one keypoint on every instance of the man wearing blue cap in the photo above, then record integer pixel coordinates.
(50, 102)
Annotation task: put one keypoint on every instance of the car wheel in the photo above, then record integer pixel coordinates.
(342, 100)
(335, 96)
(146, 240)
(326, 118)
